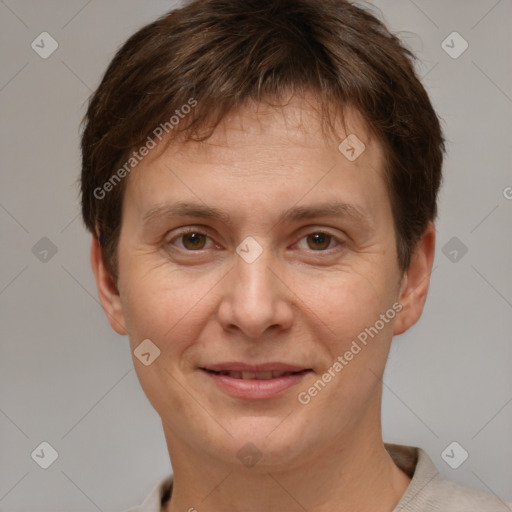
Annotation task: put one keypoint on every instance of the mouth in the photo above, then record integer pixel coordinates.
(255, 382)
(254, 375)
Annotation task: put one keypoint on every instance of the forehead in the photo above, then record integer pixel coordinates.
(261, 148)
(296, 121)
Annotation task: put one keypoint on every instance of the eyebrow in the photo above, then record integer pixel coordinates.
(188, 209)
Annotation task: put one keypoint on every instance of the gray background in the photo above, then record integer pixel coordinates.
(67, 379)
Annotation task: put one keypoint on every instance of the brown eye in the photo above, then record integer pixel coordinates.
(193, 241)
(318, 241)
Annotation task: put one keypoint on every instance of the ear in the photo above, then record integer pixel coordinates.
(416, 281)
(107, 289)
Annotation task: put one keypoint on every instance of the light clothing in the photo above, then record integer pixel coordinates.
(428, 490)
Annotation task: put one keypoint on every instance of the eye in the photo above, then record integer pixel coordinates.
(191, 240)
(319, 241)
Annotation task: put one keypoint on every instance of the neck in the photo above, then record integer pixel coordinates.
(354, 473)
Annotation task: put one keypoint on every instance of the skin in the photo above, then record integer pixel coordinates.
(301, 302)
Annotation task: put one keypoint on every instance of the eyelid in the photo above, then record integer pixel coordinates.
(200, 230)
(339, 240)
(204, 230)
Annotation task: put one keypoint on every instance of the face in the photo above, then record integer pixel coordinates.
(260, 262)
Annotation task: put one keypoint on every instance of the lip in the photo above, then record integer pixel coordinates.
(245, 367)
(255, 389)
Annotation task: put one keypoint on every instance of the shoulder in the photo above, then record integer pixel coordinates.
(430, 491)
(157, 497)
(454, 497)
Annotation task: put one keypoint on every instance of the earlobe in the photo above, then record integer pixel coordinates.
(107, 290)
(416, 281)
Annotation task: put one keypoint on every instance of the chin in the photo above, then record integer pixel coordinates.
(266, 442)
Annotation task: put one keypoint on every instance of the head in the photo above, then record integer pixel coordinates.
(260, 180)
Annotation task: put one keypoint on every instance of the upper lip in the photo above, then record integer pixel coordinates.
(255, 368)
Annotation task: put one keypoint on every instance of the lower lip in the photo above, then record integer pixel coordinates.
(255, 389)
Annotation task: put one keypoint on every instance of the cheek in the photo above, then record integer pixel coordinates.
(169, 310)
(349, 303)
(355, 346)
(165, 306)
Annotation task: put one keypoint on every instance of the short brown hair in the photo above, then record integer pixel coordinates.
(223, 53)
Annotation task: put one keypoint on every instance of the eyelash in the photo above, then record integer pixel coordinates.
(189, 230)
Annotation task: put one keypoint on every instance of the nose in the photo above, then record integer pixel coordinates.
(255, 298)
